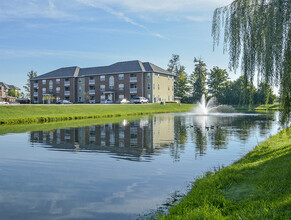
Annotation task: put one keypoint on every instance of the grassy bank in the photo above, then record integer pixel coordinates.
(271, 107)
(16, 114)
(255, 187)
(21, 128)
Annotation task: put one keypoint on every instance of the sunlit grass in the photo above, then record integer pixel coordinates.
(43, 113)
(255, 187)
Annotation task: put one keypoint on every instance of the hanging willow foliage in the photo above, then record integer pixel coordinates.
(257, 35)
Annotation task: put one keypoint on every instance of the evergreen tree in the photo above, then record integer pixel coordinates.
(198, 79)
(217, 81)
(181, 79)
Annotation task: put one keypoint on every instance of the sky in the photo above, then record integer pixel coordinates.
(44, 35)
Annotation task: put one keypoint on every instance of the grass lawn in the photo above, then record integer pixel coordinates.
(275, 106)
(15, 114)
(256, 187)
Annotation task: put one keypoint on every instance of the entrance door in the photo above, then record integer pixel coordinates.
(110, 97)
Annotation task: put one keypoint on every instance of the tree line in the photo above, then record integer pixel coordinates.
(216, 83)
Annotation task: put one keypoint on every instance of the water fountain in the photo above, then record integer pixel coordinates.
(204, 108)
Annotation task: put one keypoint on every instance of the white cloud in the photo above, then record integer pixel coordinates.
(163, 6)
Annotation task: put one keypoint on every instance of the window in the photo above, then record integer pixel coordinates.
(102, 88)
(58, 81)
(168, 98)
(149, 96)
(111, 82)
(121, 97)
(168, 87)
(149, 86)
(168, 77)
(158, 75)
(43, 90)
(102, 97)
(172, 88)
(154, 86)
(121, 87)
(149, 75)
(58, 89)
(158, 86)
(80, 88)
(120, 76)
(51, 85)
(43, 81)
(102, 78)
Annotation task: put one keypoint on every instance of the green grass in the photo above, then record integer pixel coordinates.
(21, 128)
(15, 114)
(256, 187)
(271, 107)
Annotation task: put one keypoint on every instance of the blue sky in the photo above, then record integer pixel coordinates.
(43, 35)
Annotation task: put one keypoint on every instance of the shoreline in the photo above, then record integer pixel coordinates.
(26, 114)
(254, 187)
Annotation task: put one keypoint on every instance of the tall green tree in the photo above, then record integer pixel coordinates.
(259, 33)
(217, 81)
(30, 75)
(198, 79)
(181, 80)
(264, 94)
(182, 87)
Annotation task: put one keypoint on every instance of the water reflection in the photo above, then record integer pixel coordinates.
(140, 140)
(135, 141)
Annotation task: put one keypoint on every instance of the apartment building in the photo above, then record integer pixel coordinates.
(95, 84)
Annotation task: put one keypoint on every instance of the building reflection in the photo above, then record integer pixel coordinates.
(131, 140)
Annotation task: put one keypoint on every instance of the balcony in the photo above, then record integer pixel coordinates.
(91, 92)
(133, 90)
(35, 94)
(35, 85)
(92, 82)
(67, 93)
(133, 79)
(67, 83)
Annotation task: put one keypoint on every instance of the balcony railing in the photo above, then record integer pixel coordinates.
(133, 90)
(67, 83)
(67, 93)
(91, 92)
(35, 85)
(92, 81)
(133, 79)
(35, 94)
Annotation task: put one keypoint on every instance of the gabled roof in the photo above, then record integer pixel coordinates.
(60, 73)
(134, 66)
(6, 86)
(149, 67)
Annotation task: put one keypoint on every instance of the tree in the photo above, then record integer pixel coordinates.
(198, 79)
(181, 83)
(13, 93)
(258, 32)
(30, 75)
(181, 79)
(264, 94)
(217, 81)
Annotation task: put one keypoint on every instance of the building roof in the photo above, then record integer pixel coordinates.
(7, 87)
(60, 73)
(134, 66)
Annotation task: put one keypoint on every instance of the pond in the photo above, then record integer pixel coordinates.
(119, 170)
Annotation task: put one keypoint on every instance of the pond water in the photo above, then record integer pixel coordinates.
(122, 170)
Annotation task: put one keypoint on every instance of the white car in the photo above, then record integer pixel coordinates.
(140, 100)
(3, 103)
(108, 101)
(124, 101)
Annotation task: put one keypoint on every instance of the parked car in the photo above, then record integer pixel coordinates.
(124, 101)
(108, 101)
(64, 102)
(3, 103)
(140, 100)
